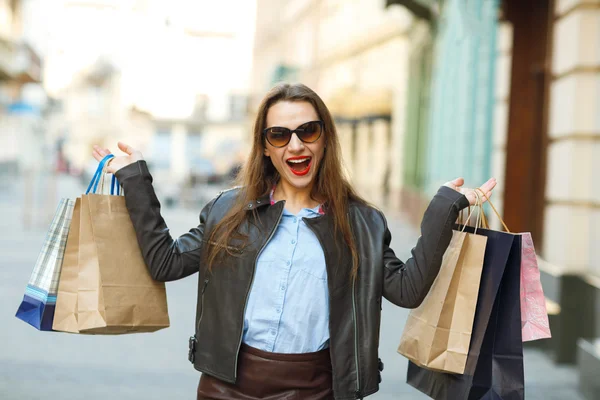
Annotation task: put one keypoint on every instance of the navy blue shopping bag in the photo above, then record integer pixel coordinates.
(494, 367)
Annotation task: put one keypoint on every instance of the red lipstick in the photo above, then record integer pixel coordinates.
(300, 172)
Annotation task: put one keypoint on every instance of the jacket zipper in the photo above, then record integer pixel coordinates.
(202, 302)
(358, 394)
(194, 339)
(249, 288)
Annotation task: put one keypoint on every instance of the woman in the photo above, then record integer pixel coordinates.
(292, 264)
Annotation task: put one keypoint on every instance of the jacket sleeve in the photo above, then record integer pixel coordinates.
(167, 259)
(407, 284)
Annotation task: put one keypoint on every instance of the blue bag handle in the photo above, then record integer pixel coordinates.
(98, 176)
(114, 182)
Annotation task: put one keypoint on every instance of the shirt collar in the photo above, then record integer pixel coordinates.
(320, 210)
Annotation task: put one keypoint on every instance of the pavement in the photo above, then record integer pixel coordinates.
(36, 365)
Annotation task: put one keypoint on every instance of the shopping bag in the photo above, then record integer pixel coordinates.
(106, 287)
(38, 305)
(438, 332)
(534, 316)
(494, 368)
(116, 293)
(65, 314)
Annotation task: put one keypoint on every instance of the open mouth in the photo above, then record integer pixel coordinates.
(299, 165)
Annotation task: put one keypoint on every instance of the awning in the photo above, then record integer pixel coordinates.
(7, 54)
(419, 8)
(352, 104)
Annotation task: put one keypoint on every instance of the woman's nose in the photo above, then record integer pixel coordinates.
(295, 143)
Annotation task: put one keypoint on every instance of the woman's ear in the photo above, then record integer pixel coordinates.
(266, 153)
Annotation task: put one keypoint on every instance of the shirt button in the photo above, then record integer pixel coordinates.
(293, 242)
(295, 220)
(278, 311)
(273, 332)
(288, 263)
(283, 288)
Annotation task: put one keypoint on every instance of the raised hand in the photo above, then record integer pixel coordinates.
(486, 189)
(118, 162)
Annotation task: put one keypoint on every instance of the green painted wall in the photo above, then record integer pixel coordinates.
(462, 94)
(415, 147)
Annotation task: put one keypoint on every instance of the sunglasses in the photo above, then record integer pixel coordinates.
(308, 132)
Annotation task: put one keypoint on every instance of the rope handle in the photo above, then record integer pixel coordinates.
(493, 208)
(480, 215)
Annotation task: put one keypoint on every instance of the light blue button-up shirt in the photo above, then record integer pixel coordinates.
(288, 306)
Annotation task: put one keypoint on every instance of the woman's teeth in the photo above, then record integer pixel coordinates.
(299, 166)
(298, 161)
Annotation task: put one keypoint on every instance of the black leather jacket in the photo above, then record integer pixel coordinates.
(355, 308)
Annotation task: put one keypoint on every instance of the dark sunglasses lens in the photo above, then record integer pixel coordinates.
(278, 136)
(309, 132)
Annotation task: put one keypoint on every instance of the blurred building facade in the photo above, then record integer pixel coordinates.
(450, 107)
(571, 212)
(529, 110)
(168, 79)
(21, 97)
(91, 111)
(427, 90)
(23, 146)
(359, 69)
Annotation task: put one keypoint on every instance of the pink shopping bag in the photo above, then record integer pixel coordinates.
(534, 317)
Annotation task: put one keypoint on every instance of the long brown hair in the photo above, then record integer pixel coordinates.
(258, 175)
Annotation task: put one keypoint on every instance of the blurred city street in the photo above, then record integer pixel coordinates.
(36, 365)
(420, 92)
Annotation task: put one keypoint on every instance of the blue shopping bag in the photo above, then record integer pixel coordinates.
(39, 301)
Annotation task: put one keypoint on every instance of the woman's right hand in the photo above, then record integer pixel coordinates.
(118, 162)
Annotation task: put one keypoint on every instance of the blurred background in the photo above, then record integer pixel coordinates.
(422, 91)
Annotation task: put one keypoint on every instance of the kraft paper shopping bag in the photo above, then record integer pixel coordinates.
(65, 314)
(438, 332)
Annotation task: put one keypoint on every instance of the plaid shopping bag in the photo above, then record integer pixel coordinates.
(39, 301)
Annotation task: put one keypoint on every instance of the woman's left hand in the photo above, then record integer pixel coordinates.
(486, 189)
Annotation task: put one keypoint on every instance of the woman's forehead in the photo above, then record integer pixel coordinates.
(290, 114)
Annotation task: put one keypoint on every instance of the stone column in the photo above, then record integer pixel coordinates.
(572, 214)
(344, 130)
(379, 160)
(396, 147)
(362, 172)
(502, 99)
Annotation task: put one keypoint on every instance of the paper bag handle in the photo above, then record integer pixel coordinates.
(114, 182)
(480, 215)
(493, 208)
(99, 175)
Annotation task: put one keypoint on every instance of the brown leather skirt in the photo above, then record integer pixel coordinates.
(264, 375)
